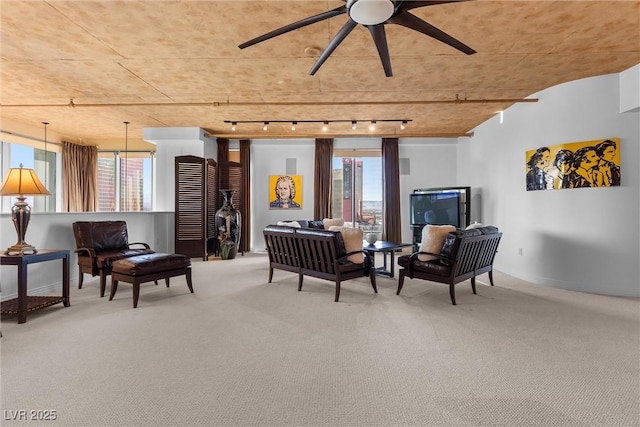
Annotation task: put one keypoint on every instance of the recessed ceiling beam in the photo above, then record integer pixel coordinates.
(277, 103)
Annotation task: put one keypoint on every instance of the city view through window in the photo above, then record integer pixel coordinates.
(128, 187)
(357, 191)
(135, 183)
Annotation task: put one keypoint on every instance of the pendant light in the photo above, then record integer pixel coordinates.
(126, 164)
(46, 200)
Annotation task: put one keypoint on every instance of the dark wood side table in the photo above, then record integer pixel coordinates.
(25, 303)
(385, 248)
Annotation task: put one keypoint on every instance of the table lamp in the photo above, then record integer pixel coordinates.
(21, 182)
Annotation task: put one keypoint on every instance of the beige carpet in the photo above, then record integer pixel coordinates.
(241, 352)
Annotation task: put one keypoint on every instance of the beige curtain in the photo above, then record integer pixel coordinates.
(323, 178)
(79, 178)
(391, 190)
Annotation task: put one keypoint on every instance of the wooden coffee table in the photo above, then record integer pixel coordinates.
(384, 248)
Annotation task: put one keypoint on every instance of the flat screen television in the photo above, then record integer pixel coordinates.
(437, 208)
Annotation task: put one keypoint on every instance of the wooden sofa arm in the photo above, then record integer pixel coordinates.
(88, 251)
(146, 246)
(367, 258)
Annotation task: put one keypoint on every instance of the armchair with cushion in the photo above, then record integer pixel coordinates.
(464, 255)
(99, 244)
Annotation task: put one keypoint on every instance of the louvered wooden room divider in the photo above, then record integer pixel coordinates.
(196, 201)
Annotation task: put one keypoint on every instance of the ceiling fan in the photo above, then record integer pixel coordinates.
(372, 14)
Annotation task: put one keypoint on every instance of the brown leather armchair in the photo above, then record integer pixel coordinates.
(99, 244)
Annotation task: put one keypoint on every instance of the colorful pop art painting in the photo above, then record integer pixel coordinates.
(593, 163)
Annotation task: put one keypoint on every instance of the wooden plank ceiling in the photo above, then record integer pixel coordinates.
(177, 63)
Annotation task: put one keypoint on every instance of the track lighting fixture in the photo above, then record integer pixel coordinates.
(325, 123)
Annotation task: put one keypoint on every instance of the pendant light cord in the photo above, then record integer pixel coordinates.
(126, 164)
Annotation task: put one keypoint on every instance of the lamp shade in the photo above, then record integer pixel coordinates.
(22, 182)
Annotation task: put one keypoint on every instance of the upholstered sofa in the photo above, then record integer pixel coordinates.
(315, 252)
(465, 255)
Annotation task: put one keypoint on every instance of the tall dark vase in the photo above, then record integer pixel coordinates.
(229, 224)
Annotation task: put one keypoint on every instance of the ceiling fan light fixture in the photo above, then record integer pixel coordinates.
(370, 12)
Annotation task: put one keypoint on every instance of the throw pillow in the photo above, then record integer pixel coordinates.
(331, 222)
(488, 229)
(352, 242)
(294, 224)
(316, 223)
(433, 237)
(474, 225)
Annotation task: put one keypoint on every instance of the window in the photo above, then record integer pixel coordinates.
(357, 188)
(107, 182)
(125, 181)
(43, 163)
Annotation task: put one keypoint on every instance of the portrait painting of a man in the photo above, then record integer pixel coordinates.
(286, 191)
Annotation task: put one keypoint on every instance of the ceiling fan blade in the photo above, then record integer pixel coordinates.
(342, 34)
(408, 20)
(408, 5)
(380, 39)
(295, 25)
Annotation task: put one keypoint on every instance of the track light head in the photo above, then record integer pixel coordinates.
(234, 126)
(293, 125)
(354, 124)
(266, 126)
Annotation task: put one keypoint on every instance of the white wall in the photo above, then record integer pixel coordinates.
(172, 142)
(269, 157)
(432, 163)
(53, 231)
(583, 239)
(630, 89)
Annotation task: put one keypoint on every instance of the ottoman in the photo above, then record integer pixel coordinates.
(149, 267)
